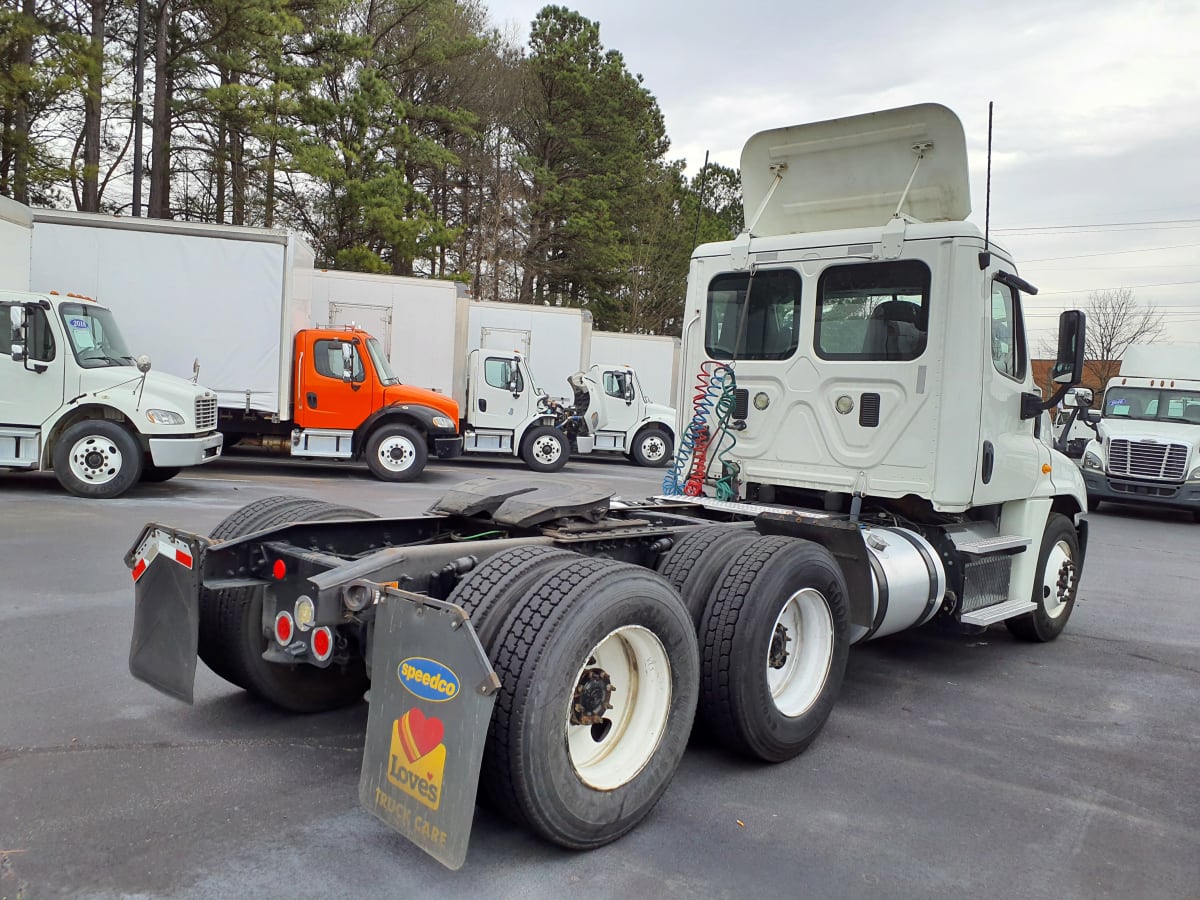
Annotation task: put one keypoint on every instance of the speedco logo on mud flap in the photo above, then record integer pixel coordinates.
(428, 679)
(418, 757)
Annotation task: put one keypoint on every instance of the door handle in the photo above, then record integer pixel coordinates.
(989, 460)
(482, 405)
(311, 399)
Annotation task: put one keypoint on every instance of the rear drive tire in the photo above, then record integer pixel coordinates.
(396, 453)
(652, 447)
(545, 449)
(1054, 586)
(489, 592)
(98, 459)
(694, 563)
(590, 625)
(231, 628)
(152, 474)
(774, 648)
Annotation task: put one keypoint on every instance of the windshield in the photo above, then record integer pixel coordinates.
(382, 368)
(1152, 405)
(95, 338)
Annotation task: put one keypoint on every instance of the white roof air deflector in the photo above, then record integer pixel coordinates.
(852, 172)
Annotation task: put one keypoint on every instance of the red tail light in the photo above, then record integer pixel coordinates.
(284, 628)
(322, 643)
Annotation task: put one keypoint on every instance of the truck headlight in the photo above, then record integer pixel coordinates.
(1195, 476)
(164, 417)
(442, 422)
(1092, 461)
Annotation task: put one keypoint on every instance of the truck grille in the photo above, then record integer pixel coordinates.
(1143, 459)
(206, 413)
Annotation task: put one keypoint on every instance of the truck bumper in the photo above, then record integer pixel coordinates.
(179, 452)
(1146, 493)
(448, 447)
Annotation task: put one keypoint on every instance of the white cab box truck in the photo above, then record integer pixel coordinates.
(237, 303)
(75, 401)
(654, 356)
(1146, 450)
(544, 642)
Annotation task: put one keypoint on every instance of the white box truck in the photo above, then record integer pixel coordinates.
(73, 399)
(1146, 451)
(886, 474)
(237, 303)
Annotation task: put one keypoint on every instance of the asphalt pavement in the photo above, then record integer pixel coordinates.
(951, 766)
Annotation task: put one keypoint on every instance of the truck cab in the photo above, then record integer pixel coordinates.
(1146, 450)
(348, 403)
(867, 346)
(620, 416)
(73, 400)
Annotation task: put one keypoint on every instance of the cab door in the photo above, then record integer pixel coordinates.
(1009, 458)
(620, 394)
(499, 392)
(335, 384)
(31, 391)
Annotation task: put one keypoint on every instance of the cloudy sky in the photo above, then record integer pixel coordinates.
(1096, 164)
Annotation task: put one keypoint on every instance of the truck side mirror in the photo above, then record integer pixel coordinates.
(1068, 367)
(347, 363)
(16, 316)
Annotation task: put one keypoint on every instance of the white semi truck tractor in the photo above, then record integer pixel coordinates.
(858, 455)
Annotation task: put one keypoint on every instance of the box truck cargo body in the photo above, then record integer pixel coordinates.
(237, 302)
(413, 318)
(16, 228)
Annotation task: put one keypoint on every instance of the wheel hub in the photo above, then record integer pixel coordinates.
(777, 656)
(94, 459)
(590, 700)
(1066, 575)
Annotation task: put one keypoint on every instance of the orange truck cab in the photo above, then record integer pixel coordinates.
(348, 404)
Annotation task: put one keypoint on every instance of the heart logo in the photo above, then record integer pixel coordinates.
(419, 734)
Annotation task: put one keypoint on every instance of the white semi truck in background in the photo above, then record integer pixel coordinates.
(858, 403)
(73, 399)
(1146, 449)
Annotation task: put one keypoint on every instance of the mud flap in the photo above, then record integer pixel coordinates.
(432, 693)
(166, 619)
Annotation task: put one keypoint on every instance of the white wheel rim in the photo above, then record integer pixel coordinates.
(654, 448)
(397, 453)
(547, 449)
(796, 680)
(95, 459)
(1053, 602)
(610, 754)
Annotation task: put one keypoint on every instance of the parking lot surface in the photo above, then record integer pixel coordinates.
(951, 766)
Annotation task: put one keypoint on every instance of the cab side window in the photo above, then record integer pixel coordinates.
(327, 358)
(614, 384)
(501, 373)
(40, 339)
(1008, 332)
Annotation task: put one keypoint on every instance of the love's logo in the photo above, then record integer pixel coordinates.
(418, 757)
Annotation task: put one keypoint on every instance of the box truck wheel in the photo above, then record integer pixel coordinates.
(545, 449)
(1054, 585)
(693, 564)
(231, 628)
(396, 452)
(598, 674)
(97, 458)
(652, 447)
(774, 647)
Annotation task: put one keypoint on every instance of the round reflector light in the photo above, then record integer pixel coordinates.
(305, 612)
(284, 628)
(322, 643)
(279, 570)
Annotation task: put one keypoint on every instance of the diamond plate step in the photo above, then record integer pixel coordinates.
(997, 544)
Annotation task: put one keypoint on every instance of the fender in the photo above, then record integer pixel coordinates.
(412, 413)
(656, 420)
